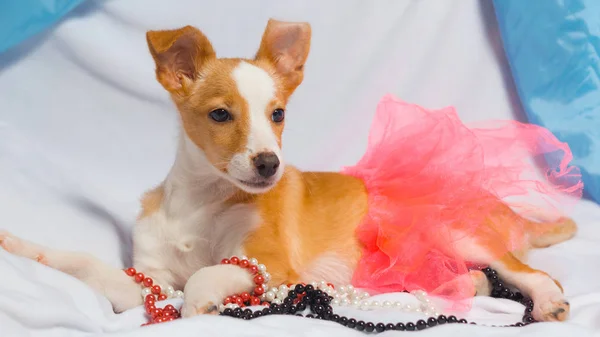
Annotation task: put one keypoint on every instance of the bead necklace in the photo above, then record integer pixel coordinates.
(294, 299)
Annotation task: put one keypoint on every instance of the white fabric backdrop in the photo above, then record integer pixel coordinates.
(85, 129)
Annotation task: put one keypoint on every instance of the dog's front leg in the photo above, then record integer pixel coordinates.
(208, 287)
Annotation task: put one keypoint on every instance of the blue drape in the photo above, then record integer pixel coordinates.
(553, 49)
(21, 19)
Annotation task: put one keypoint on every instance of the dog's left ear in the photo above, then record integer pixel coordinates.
(286, 46)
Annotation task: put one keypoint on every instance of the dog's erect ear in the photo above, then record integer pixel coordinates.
(179, 54)
(286, 46)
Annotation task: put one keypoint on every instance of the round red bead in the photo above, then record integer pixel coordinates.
(239, 301)
(244, 263)
(130, 271)
(169, 307)
(150, 297)
(156, 312)
(253, 269)
(227, 300)
(225, 261)
(245, 297)
(254, 300)
(139, 277)
(234, 260)
(259, 291)
(331, 285)
(259, 279)
(266, 304)
(162, 297)
(148, 282)
(170, 319)
(156, 289)
(150, 309)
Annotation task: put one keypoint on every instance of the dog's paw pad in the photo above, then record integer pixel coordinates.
(552, 311)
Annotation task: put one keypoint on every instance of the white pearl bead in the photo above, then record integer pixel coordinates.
(146, 291)
(262, 268)
(275, 290)
(387, 304)
(344, 302)
(355, 303)
(363, 305)
(283, 287)
(365, 295)
(267, 276)
(418, 310)
(169, 291)
(335, 301)
(375, 304)
(244, 258)
(253, 261)
(323, 284)
(269, 296)
(398, 305)
(221, 307)
(350, 288)
(178, 294)
(408, 307)
(277, 301)
(342, 289)
(314, 284)
(282, 294)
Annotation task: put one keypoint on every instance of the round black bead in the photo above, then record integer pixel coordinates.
(380, 327)
(506, 293)
(360, 325)
(257, 314)
(528, 319)
(442, 319)
(227, 312)
(351, 323)
(236, 314)
(400, 327)
(410, 326)
(335, 318)
(237, 310)
(390, 326)
(452, 319)
(299, 288)
(528, 303)
(431, 321)
(528, 310)
(310, 316)
(463, 321)
(498, 285)
(309, 288)
(518, 297)
(369, 327)
(292, 294)
(486, 270)
(519, 324)
(301, 306)
(421, 324)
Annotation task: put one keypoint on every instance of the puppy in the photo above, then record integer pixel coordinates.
(229, 191)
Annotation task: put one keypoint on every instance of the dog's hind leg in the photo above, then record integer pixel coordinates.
(120, 289)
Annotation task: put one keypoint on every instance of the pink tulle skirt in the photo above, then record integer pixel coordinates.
(427, 174)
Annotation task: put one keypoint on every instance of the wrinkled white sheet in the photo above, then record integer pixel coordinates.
(85, 129)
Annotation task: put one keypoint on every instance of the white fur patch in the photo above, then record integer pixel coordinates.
(257, 87)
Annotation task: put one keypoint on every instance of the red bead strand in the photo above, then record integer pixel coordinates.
(170, 313)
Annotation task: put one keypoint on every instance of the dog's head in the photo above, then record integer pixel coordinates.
(234, 109)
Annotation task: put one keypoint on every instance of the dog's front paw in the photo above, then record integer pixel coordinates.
(551, 308)
(19, 247)
(209, 286)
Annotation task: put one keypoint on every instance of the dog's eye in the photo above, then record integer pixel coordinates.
(278, 115)
(220, 115)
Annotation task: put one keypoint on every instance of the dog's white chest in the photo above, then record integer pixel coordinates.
(180, 245)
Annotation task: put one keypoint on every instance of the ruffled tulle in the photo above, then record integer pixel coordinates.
(427, 175)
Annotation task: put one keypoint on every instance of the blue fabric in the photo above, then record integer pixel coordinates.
(21, 19)
(553, 49)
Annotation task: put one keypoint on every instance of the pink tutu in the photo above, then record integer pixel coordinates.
(425, 171)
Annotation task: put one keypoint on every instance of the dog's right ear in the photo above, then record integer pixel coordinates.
(179, 54)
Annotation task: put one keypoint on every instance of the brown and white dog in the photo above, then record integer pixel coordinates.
(229, 191)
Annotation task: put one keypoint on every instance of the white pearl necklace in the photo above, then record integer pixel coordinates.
(349, 296)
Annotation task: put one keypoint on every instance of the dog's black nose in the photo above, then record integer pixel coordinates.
(266, 164)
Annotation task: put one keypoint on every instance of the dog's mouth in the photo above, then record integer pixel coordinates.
(257, 184)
